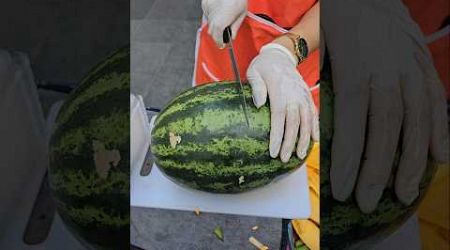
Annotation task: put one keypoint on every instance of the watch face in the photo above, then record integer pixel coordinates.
(302, 47)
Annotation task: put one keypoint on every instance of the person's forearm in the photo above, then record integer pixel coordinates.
(308, 28)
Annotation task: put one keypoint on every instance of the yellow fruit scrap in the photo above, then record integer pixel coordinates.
(433, 212)
(313, 159)
(197, 211)
(174, 140)
(257, 244)
(315, 209)
(308, 232)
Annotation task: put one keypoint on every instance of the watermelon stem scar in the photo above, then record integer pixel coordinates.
(174, 140)
(104, 158)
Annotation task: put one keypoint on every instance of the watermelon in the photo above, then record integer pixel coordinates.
(89, 156)
(201, 140)
(343, 225)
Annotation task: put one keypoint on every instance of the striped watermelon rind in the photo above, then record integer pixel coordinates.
(217, 148)
(95, 208)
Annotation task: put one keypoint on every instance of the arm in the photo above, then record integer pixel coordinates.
(308, 28)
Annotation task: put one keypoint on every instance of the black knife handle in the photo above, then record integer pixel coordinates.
(227, 35)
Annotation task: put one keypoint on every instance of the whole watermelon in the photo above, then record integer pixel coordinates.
(342, 224)
(201, 139)
(89, 156)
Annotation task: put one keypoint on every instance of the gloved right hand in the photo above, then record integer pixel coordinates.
(273, 74)
(221, 14)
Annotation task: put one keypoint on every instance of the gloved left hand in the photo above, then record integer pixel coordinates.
(221, 14)
(273, 72)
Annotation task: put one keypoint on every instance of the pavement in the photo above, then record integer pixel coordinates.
(163, 36)
(64, 39)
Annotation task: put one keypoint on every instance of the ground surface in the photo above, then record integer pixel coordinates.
(162, 49)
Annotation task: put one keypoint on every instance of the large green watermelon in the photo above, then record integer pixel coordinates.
(201, 139)
(342, 224)
(89, 156)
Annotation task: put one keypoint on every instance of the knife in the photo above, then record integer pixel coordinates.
(227, 40)
(147, 164)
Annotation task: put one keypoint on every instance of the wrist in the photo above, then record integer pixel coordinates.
(296, 44)
(287, 43)
(280, 48)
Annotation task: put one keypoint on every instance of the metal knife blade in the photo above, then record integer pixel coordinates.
(227, 39)
(147, 165)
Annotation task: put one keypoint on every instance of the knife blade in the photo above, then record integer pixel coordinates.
(147, 164)
(149, 159)
(228, 40)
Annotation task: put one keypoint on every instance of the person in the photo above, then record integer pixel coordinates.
(277, 50)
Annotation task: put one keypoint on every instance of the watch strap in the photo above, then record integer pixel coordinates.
(300, 46)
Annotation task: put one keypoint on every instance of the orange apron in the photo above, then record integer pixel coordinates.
(431, 17)
(213, 64)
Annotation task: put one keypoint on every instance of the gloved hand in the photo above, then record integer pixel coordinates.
(221, 14)
(387, 94)
(273, 72)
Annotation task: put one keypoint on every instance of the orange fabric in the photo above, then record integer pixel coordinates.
(431, 16)
(285, 15)
(440, 52)
(213, 64)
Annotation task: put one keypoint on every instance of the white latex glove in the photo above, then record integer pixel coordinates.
(221, 14)
(273, 72)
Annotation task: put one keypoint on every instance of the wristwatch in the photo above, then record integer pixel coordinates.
(300, 46)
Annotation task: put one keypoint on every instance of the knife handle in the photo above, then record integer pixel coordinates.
(227, 35)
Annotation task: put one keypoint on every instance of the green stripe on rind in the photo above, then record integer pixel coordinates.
(198, 90)
(100, 129)
(87, 215)
(228, 183)
(223, 147)
(74, 182)
(225, 95)
(209, 170)
(221, 151)
(118, 62)
(115, 101)
(101, 86)
(205, 96)
(213, 120)
(117, 58)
